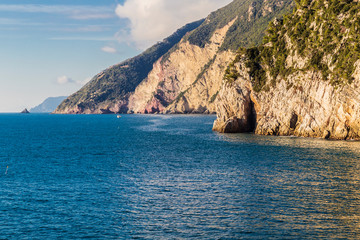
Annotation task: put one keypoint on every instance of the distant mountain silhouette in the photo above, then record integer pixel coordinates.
(49, 105)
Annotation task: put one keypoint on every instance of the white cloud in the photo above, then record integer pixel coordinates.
(62, 80)
(153, 20)
(108, 49)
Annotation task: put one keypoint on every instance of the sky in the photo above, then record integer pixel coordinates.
(52, 48)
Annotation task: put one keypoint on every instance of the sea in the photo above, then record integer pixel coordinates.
(170, 177)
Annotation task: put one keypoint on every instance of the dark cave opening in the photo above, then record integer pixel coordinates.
(252, 117)
(293, 120)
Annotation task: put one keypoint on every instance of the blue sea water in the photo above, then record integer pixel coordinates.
(170, 177)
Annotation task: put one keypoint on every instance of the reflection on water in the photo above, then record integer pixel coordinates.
(171, 177)
(290, 141)
(311, 186)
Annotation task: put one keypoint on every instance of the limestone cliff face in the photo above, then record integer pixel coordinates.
(186, 80)
(183, 73)
(303, 81)
(311, 107)
(109, 90)
(200, 96)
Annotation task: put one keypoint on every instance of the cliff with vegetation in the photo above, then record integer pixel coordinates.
(184, 73)
(303, 80)
(109, 90)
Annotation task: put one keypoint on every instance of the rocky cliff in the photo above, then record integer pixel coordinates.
(304, 80)
(187, 77)
(174, 85)
(109, 90)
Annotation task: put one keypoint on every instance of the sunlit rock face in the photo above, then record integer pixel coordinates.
(311, 108)
(175, 86)
(184, 72)
(302, 81)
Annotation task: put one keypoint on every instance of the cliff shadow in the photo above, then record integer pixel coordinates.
(252, 118)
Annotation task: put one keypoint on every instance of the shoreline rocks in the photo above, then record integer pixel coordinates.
(310, 108)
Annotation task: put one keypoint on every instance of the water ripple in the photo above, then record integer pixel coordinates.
(170, 177)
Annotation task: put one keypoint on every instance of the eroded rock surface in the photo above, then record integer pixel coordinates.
(186, 81)
(304, 105)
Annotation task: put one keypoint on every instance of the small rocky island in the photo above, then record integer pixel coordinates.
(25, 111)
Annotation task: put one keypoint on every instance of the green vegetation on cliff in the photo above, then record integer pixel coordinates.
(324, 35)
(116, 81)
(252, 18)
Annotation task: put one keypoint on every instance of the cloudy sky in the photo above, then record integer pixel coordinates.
(53, 47)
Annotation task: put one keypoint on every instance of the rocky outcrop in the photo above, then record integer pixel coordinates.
(200, 96)
(235, 107)
(303, 81)
(183, 73)
(25, 111)
(110, 89)
(186, 80)
(304, 105)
